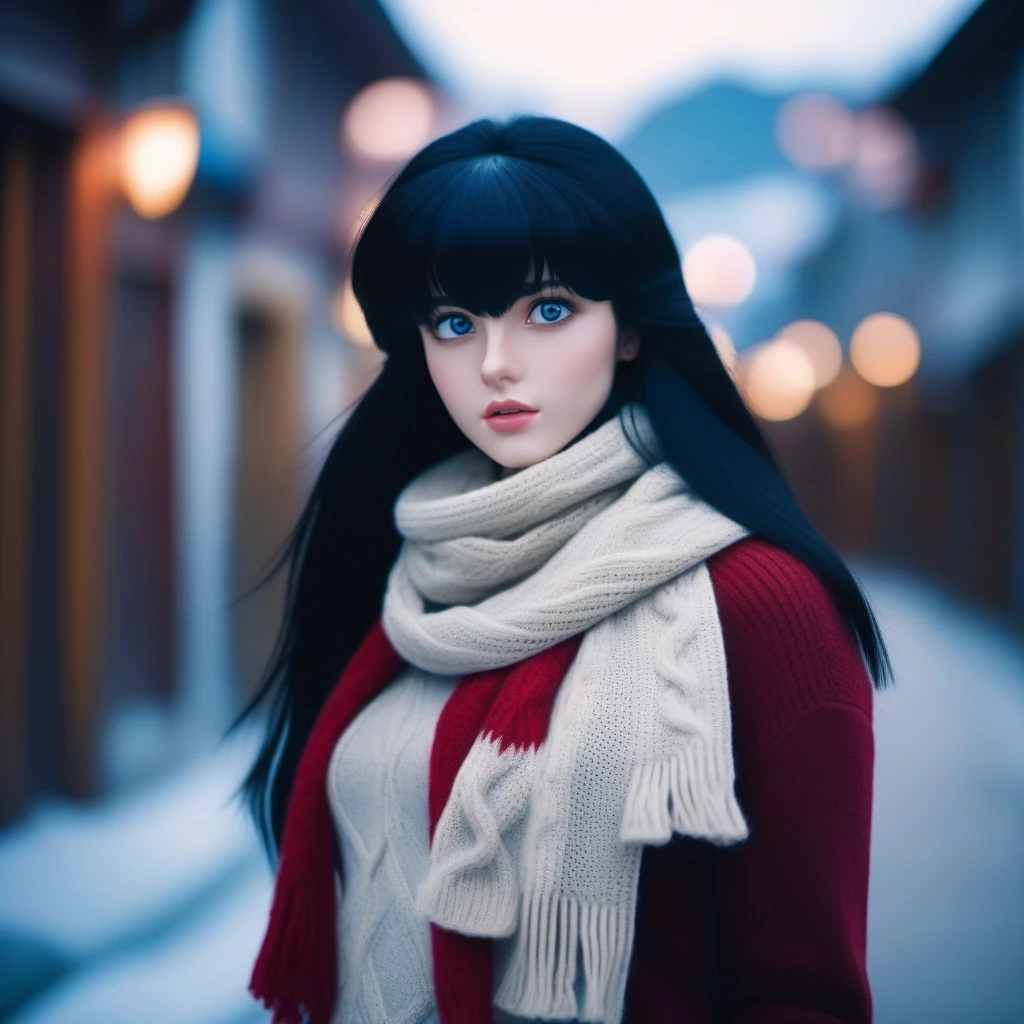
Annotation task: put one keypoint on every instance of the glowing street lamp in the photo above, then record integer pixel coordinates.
(719, 271)
(885, 350)
(778, 380)
(885, 159)
(816, 131)
(821, 346)
(389, 119)
(158, 153)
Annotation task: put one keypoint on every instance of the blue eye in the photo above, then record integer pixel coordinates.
(454, 326)
(550, 312)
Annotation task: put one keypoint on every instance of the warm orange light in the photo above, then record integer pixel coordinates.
(848, 402)
(719, 271)
(885, 350)
(347, 317)
(778, 380)
(821, 346)
(389, 119)
(816, 131)
(158, 153)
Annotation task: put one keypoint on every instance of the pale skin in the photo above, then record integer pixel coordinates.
(553, 354)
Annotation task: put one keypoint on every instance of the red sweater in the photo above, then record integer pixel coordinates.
(772, 929)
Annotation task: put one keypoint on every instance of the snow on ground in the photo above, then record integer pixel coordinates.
(946, 909)
(161, 897)
(197, 974)
(82, 880)
(155, 900)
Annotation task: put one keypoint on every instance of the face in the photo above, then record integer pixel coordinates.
(523, 385)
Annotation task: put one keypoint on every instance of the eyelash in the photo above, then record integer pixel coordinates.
(435, 322)
(562, 301)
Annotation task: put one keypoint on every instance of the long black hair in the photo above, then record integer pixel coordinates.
(471, 217)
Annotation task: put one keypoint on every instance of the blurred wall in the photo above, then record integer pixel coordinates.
(164, 380)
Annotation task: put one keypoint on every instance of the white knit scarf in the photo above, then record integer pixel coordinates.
(542, 847)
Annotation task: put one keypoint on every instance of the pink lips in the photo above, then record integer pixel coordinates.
(509, 421)
(508, 415)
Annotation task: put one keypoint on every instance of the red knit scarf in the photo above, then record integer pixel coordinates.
(296, 971)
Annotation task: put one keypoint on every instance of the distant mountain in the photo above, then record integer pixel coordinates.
(712, 161)
(719, 134)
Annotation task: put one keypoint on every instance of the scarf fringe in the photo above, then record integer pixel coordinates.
(556, 934)
(683, 793)
(293, 976)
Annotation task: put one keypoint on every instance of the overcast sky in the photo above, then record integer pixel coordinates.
(604, 63)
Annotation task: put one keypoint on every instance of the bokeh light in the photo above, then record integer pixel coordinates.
(885, 350)
(389, 119)
(347, 316)
(816, 131)
(719, 270)
(778, 380)
(848, 402)
(885, 157)
(821, 346)
(158, 153)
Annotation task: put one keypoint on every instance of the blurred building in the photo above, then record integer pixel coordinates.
(887, 232)
(164, 371)
(930, 474)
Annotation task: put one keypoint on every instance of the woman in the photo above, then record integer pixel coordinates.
(601, 744)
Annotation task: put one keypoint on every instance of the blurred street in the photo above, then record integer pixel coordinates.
(946, 912)
(154, 902)
(159, 902)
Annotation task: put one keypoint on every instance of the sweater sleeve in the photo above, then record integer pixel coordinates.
(791, 901)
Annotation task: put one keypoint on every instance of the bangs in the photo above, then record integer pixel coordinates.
(479, 235)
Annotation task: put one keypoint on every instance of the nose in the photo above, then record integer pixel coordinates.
(500, 364)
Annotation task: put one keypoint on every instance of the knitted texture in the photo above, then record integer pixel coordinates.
(540, 839)
(377, 786)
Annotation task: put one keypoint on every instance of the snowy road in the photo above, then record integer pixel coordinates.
(155, 905)
(946, 914)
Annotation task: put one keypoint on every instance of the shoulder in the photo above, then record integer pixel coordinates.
(765, 586)
(788, 649)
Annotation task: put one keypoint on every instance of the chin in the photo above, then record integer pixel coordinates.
(521, 453)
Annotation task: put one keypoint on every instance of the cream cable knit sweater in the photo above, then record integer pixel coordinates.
(377, 788)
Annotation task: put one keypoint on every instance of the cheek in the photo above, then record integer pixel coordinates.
(451, 373)
(588, 362)
(436, 367)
